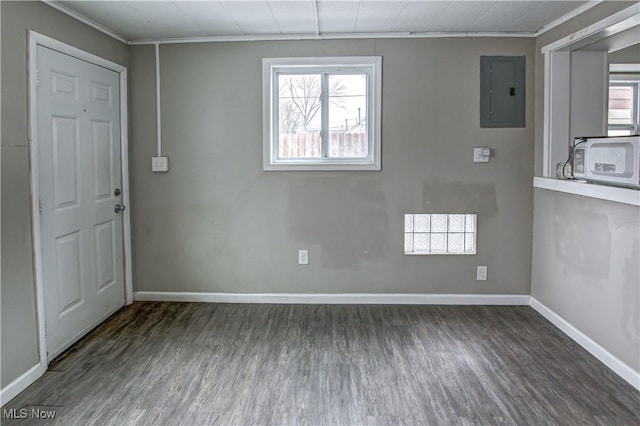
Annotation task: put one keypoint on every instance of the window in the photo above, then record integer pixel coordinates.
(624, 108)
(321, 113)
(576, 76)
(439, 234)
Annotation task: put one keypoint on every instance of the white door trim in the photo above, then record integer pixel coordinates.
(37, 39)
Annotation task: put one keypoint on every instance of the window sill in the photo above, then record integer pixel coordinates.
(602, 192)
(435, 253)
(293, 167)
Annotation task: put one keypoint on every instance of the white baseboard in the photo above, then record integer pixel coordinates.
(619, 367)
(606, 357)
(336, 298)
(21, 383)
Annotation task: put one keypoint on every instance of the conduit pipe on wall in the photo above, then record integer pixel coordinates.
(158, 108)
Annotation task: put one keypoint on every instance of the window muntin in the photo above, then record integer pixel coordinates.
(322, 113)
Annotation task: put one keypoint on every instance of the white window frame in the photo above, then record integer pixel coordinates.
(634, 83)
(271, 67)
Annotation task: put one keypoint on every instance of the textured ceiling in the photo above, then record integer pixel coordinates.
(140, 20)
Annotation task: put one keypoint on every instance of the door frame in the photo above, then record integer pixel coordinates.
(37, 39)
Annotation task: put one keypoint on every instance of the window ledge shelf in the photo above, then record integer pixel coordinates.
(602, 192)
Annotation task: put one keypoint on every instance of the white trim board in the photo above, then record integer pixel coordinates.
(80, 17)
(570, 15)
(612, 24)
(624, 68)
(330, 36)
(607, 358)
(335, 298)
(21, 383)
(602, 192)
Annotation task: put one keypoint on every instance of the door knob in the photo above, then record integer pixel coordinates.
(119, 208)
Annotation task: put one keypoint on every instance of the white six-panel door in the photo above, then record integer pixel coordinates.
(78, 113)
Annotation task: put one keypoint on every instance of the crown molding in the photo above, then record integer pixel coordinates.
(332, 36)
(572, 14)
(80, 17)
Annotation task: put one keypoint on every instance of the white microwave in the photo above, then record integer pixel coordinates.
(608, 160)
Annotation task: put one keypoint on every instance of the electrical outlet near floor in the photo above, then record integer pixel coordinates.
(303, 257)
(481, 273)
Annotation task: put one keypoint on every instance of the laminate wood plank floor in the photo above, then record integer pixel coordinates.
(196, 363)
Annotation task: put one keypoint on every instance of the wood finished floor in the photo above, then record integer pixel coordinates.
(192, 363)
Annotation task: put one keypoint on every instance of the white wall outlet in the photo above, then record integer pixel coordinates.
(481, 274)
(481, 155)
(159, 164)
(303, 257)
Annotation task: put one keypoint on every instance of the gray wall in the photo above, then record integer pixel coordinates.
(19, 333)
(586, 255)
(630, 55)
(586, 268)
(217, 223)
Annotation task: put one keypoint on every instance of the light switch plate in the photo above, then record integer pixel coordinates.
(479, 155)
(303, 257)
(159, 164)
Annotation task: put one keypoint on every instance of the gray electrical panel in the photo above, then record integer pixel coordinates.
(502, 91)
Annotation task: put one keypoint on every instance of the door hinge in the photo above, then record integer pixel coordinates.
(37, 77)
(40, 206)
